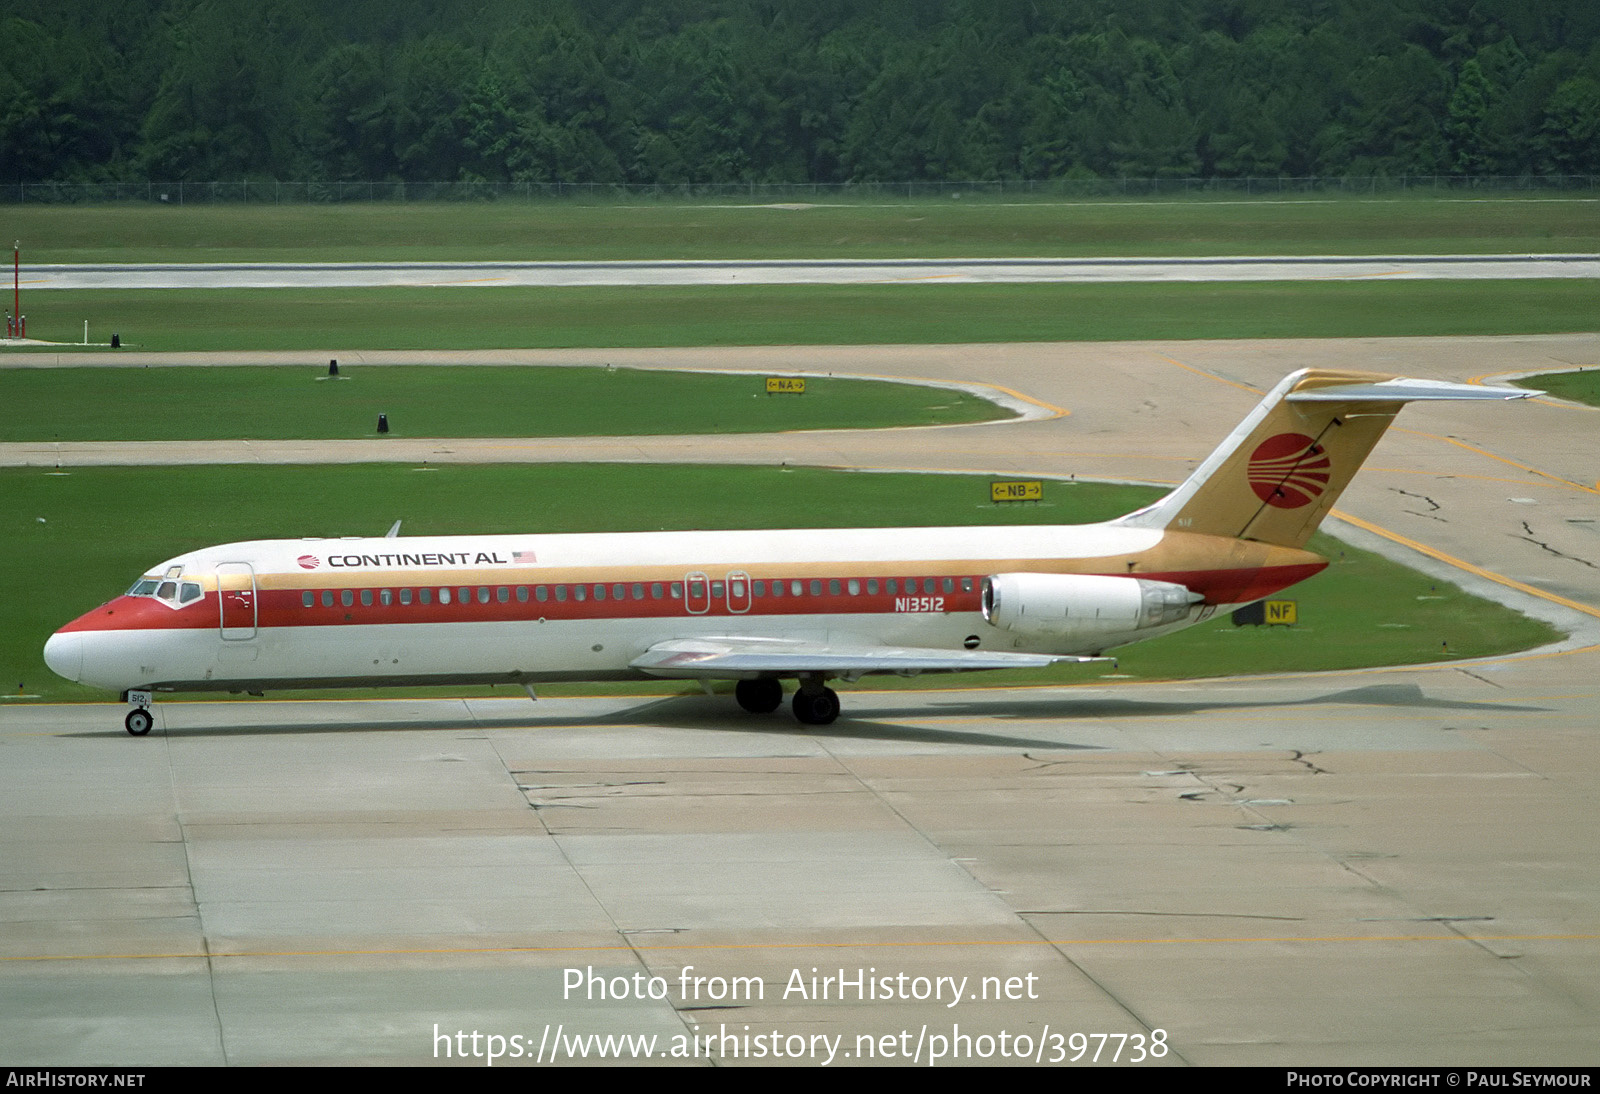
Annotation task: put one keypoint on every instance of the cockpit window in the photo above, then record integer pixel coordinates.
(176, 592)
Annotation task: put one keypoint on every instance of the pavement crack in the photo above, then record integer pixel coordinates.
(1529, 538)
(1299, 757)
(1432, 505)
(1475, 676)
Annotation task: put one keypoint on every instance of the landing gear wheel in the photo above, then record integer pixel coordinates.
(138, 721)
(816, 708)
(759, 696)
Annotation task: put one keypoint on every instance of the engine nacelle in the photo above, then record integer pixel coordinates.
(1063, 604)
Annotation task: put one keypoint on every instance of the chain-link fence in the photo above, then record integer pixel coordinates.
(272, 192)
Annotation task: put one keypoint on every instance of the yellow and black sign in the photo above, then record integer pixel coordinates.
(785, 385)
(1016, 491)
(1286, 612)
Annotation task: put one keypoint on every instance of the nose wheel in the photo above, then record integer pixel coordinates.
(139, 719)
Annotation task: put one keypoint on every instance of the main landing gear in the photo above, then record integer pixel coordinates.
(139, 719)
(815, 704)
(761, 696)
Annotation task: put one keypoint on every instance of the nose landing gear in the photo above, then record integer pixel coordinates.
(139, 719)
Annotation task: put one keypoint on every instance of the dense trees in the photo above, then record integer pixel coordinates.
(795, 90)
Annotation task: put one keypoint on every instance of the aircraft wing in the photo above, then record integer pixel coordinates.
(727, 658)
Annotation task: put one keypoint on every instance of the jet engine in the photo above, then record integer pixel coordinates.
(1061, 604)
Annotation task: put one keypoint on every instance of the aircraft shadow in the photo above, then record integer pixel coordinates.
(719, 715)
(1067, 706)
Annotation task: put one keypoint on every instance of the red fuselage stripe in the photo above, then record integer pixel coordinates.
(286, 607)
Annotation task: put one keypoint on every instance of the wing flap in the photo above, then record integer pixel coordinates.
(727, 658)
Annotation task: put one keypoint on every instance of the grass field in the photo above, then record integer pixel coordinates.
(1580, 387)
(332, 320)
(159, 404)
(916, 228)
(76, 540)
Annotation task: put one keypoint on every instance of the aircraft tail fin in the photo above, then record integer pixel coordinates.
(1282, 469)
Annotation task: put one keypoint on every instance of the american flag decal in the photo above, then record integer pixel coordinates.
(523, 556)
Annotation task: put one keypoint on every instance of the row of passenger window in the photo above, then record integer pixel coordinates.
(657, 590)
(484, 594)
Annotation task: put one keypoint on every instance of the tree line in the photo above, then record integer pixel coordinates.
(687, 91)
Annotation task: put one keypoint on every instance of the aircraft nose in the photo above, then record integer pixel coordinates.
(64, 654)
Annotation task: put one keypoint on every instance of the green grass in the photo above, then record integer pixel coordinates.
(139, 404)
(320, 322)
(74, 541)
(1579, 387)
(914, 228)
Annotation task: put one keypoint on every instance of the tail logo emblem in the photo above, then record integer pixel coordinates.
(308, 562)
(1289, 470)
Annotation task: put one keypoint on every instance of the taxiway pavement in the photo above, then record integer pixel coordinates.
(277, 275)
(1382, 867)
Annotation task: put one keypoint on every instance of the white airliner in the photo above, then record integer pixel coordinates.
(754, 607)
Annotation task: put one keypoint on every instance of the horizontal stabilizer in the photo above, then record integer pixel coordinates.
(1403, 389)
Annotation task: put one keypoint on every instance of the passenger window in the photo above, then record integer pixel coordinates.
(930, 585)
(777, 588)
(949, 584)
(599, 592)
(796, 589)
(816, 588)
(483, 594)
(638, 591)
(561, 592)
(444, 596)
(366, 598)
(522, 594)
(891, 586)
(307, 599)
(463, 596)
(580, 593)
(872, 586)
(677, 590)
(758, 588)
(833, 587)
(542, 593)
(854, 587)
(656, 591)
(502, 594)
(966, 584)
(619, 592)
(405, 596)
(346, 597)
(716, 589)
(425, 596)
(327, 598)
(386, 597)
